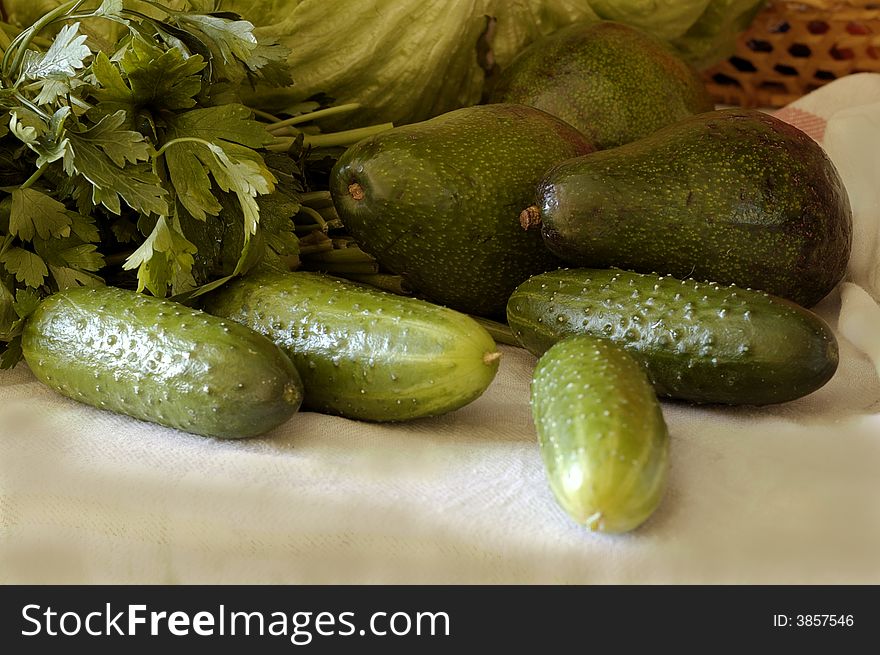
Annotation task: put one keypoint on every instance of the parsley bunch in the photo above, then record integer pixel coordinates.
(140, 153)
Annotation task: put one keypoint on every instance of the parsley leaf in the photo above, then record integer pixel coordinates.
(10, 353)
(35, 213)
(137, 184)
(8, 315)
(25, 265)
(63, 58)
(190, 162)
(233, 39)
(127, 130)
(152, 76)
(120, 145)
(26, 302)
(166, 257)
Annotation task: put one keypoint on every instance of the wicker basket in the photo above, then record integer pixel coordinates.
(793, 48)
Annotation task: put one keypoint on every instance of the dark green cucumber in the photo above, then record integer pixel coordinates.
(698, 341)
(159, 361)
(603, 439)
(364, 353)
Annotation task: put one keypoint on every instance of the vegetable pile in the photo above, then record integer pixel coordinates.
(123, 140)
(374, 53)
(175, 149)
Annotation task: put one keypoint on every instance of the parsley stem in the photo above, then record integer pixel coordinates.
(316, 199)
(319, 220)
(33, 107)
(392, 283)
(333, 139)
(265, 114)
(36, 176)
(183, 139)
(313, 115)
(320, 247)
(344, 138)
(499, 331)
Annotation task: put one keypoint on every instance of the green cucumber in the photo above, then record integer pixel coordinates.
(363, 353)
(697, 341)
(159, 361)
(603, 440)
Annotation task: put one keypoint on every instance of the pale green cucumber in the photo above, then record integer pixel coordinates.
(159, 361)
(602, 436)
(364, 353)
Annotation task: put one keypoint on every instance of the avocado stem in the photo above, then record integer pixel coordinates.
(488, 358)
(530, 217)
(356, 191)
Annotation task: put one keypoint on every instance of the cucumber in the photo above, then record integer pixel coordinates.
(159, 361)
(363, 353)
(601, 432)
(697, 341)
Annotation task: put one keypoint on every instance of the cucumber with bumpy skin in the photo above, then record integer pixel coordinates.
(159, 361)
(602, 435)
(363, 353)
(697, 341)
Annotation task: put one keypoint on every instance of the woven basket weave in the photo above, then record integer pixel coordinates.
(793, 48)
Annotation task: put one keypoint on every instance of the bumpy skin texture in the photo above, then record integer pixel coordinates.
(603, 439)
(439, 202)
(614, 83)
(161, 362)
(697, 341)
(363, 353)
(734, 196)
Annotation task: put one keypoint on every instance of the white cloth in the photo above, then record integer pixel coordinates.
(782, 494)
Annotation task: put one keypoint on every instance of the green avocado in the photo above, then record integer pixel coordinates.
(734, 196)
(613, 82)
(439, 201)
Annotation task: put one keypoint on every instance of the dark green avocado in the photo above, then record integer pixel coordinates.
(612, 82)
(439, 201)
(733, 196)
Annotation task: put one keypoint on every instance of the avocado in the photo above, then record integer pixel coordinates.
(734, 196)
(613, 82)
(438, 202)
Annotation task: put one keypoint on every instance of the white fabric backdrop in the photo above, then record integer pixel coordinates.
(784, 494)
